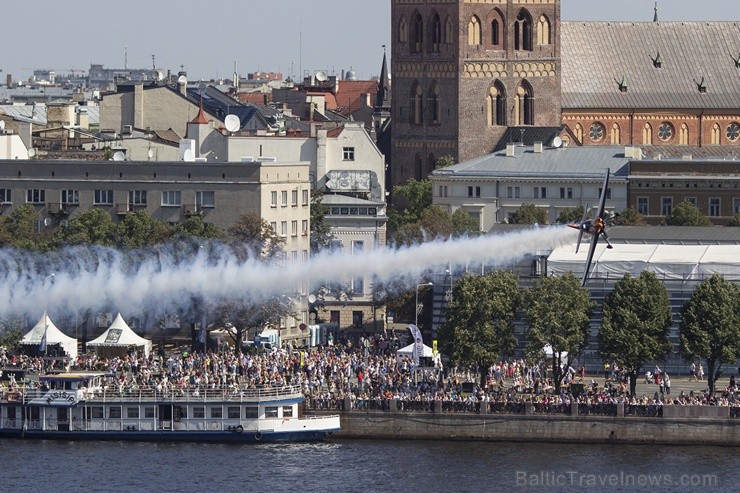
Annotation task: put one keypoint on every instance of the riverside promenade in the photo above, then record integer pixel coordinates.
(520, 420)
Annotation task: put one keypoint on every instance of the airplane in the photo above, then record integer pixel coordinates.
(595, 227)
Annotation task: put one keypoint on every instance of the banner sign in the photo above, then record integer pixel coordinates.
(418, 349)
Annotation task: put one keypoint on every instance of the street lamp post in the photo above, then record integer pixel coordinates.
(416, 321)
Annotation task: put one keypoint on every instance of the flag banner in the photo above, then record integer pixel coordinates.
(418, 344)
(42, 344)
(203, 330)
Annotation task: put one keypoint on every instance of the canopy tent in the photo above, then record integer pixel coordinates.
(119, 336)
(549, 353)
(668, 262)
(408, 351)
(54, 336)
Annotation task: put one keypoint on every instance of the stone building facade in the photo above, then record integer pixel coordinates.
(464, 71)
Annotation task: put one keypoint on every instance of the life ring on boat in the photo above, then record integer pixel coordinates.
(239, 429)
(258, 436)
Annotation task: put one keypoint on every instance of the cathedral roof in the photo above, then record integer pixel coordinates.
(650, 65)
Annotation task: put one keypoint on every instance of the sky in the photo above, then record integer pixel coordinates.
(293, 37)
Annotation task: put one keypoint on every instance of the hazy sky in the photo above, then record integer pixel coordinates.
(288, 36)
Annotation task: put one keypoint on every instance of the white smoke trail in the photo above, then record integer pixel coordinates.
(166, 280)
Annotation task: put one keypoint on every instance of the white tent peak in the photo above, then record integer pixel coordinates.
(120, 335)
(53, 336)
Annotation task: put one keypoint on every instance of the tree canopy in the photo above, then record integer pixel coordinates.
(570, 215)
(528, 214)
(629, 217)
(687, 214)
(735, 221)
(479, 326)
(321, 235)
(636, 323)
(710, 326)
(558, 311)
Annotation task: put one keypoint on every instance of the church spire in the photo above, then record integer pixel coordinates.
(655, 16)
(383, 96)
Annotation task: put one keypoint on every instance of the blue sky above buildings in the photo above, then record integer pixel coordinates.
(289, 36)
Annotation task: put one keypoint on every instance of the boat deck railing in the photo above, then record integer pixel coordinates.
(151, 394)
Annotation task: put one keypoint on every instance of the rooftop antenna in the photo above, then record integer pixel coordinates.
(300, 51)
(655, 16)
(154, 65)
(125, 54)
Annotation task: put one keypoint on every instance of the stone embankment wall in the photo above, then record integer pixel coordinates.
(668, 430)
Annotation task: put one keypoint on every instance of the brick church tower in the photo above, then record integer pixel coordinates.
(469, 73)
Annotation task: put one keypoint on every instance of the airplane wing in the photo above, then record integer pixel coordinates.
(602, 199)
(589, 259)
(580, 234)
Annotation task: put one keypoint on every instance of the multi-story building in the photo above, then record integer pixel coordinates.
(464, 72)
(171, 192)
(492, 187)
(347, 166)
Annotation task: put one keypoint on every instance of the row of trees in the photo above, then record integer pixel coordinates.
(479, 329)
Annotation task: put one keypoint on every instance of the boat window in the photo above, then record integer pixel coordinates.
(251, 412)
(149, 412)
(217, 412)
(199, 412)
(271, 412)
(96, 412)
(233, 412)
(287, 411)
(132, 412)
(114, 412)
(35, 414)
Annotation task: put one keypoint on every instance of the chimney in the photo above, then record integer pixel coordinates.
(629, 152)
(510, 149)
(538, 147)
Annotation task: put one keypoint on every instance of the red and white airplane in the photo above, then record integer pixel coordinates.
(595, 227)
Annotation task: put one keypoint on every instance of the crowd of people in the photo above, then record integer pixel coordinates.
(368, 374)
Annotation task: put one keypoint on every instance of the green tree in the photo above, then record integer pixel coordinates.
(569, 215)
(528, 214)
(252, 233)
(19, 229)
(479, 326)
(436, 223)
(444, 162)
(558, 311)
(321, 234)
(629, 217)
(687, 214)
(417, 196)
(735, 221)
(195, 227)
(92, 227)
(464, 224)
(636, 324)
(139, 229)
(241, 316)
(710, 325)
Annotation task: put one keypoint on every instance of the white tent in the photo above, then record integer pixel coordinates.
(408, 350)
(670, 262)
(120, 336)
(54, 336)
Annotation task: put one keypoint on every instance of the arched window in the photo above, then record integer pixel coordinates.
(715, 134)
(436, 33)
(496, 104)
(448, 30)
(403, 34)
(578, 132)
(431, 163)
(543, 31)
(616, 134)
(523, 31)
(683, 135)
(496, 21)
(524, 105)
(417, 35)
(418, 167)
(417, 96)
(434, 103)
(474, 33)
(647, 134)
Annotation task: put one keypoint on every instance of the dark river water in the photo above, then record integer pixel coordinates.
(363, 466)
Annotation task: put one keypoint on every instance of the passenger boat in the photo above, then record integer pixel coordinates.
(78, 406)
